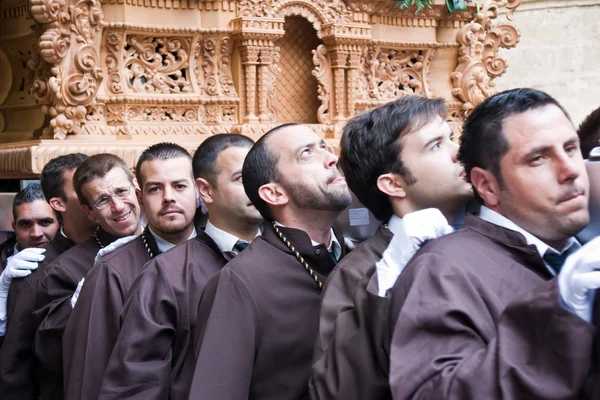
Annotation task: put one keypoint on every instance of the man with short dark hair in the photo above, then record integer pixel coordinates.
(589, 133)
(18, 371)
(105, 188)
(479, 313)
(154, 352)
(167, 195)
(401, 162)
(260, 313)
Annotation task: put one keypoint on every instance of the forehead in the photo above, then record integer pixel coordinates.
(172, 169)
(231, 159)
(116, 177)
(35, 210)
(544, 126)
(291, 138)
(434, 128)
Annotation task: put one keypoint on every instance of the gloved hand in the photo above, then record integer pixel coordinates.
(113, 246)
(410, 233)
(77, 291)
(579, 278)
(20, 265)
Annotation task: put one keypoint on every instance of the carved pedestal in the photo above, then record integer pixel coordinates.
(118, 75)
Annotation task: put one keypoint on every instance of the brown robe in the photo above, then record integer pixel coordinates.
(259, 334)
(53, 308)
(350, 359)
(18, 369)
(94, 325)
(480, 317)
(153, 357)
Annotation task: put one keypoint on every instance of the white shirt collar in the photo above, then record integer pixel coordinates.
(395, 224)
(334, 245)
(62, 232)
(164, 245)
(495, 218)
(224, 240)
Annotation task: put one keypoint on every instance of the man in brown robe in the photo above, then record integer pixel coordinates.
(105, 188)
(260, 314)
(398, 158)
(478, 314)
(153, 355)
(167, 196)
(18, 370)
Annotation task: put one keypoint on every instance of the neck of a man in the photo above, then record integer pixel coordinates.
(173, 238)
(316, 223)
(239, 228)
(448, 211)
(77, 231)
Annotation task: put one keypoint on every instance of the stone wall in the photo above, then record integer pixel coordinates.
(558, 53)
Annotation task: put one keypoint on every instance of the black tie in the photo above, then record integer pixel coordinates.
(556, 261)
(239, 246)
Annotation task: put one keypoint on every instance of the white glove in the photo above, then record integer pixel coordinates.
(76, 294)
(20, 265)
(113, 246)
(579, 278)
(410, 233)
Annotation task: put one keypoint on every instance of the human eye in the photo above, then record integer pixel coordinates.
(180, 186)
(153, 189)
(572, 148)
(436, 145)
(535, 160)
(24, 224)
(122, 192)
(102, 202)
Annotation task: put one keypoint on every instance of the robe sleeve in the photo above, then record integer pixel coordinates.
(446, 343)
(91, 332)
(140, 364)
(53, 309)
(225, 360)
(354, 365)
(17, 374)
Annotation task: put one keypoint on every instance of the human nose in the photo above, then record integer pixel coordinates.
(569, 168)
(36, 231)
(331, 159)
(116, 204)
(168, 195)
(454, 149)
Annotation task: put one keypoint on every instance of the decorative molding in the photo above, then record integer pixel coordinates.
(322, 73)
(479, 61)
(326, 11)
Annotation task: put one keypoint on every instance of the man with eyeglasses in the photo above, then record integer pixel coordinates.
(105, 188)
(167, 195)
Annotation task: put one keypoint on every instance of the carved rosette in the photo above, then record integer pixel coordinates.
(479, 61)
(66, 45)
(322, 73)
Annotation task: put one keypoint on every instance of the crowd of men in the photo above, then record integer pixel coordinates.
(114, 287)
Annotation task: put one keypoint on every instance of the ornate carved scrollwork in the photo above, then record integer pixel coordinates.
(157, 64)
(479, 61)
(114, 44)
(329, 11)
(72, 84)
(322, 73)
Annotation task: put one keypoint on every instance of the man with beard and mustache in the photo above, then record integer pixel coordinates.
(18, 376)
(105, 188)
(260, 313)
(167, 195)
(493, 310)
(154, 353)
(402, 164)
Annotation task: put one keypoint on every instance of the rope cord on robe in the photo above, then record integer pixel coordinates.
(145, 242)
(98, 239)
(299, 257)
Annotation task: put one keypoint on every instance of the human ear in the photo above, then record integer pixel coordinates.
(486, 185)
(273, 194)
(392, 185)
(205, 191)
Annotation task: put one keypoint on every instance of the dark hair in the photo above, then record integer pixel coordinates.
(97, 166)
(483, 142)
(29, 194)
(589, 132)
(52, 177)
(159, 151)
(372, 142)
(260, 168)
(205, 157)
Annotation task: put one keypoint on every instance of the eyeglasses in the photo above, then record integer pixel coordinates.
(119, 193)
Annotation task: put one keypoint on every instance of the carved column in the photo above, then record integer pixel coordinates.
(250, 61)
(338, 64)
(268, 70)
(352, 74)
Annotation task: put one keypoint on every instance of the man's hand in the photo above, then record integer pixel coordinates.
(579, 278)
(21, 265)
(410, 233)
(113, 246)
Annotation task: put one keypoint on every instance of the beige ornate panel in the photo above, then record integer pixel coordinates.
(118, 75)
